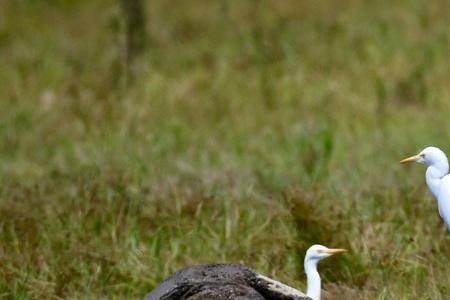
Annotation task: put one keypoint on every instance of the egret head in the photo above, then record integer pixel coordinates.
(319, 252)
(428, 156)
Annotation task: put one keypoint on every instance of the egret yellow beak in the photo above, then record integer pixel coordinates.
(333, 251)
(410, 159)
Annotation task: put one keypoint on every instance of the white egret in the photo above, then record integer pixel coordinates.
(436, 177)
(313, 255)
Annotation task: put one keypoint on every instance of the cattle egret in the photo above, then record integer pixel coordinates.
(436, 177)
(313, 255)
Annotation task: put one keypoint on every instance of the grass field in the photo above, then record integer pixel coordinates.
(253, 130)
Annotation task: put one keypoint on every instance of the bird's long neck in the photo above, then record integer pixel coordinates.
(434, 175)
(313, 280)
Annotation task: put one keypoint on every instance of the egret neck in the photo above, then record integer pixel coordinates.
(434, 174)
(313, 279)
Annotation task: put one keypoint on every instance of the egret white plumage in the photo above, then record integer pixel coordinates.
(436, 177)
(313, 255)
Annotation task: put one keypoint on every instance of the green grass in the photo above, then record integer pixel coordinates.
(253, 130)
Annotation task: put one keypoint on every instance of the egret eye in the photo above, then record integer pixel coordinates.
(422, 155)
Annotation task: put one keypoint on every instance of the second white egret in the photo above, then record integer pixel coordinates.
(436, 177)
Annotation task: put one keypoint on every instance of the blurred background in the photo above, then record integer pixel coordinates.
(140, 137)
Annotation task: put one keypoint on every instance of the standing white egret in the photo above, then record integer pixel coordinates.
(313, 256)
(436, 178)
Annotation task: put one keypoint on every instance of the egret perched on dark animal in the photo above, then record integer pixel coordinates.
(235, 281)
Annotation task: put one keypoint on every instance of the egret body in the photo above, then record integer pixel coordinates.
(436, 177)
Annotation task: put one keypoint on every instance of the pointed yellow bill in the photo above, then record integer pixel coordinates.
(333, 251)
(410, 159)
